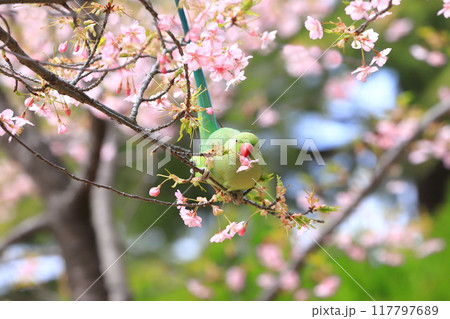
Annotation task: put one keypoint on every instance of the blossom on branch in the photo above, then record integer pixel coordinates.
(363, 71)
(358, 9)
(314, 27)
(445, 11)
(381, 57)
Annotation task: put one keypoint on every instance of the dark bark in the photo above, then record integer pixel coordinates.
(71, 224)
(433, 187)
(68, 207)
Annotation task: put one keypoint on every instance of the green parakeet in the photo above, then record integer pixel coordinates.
(236, 165)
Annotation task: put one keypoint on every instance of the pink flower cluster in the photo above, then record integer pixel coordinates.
(301, 60)
(41, 107)
(235, 278)
(366, 41)
(199, 290)
(14, 124)
(438, 148)
(360, 9)
(314, 27)
(271, 257)
(434, 58)
(189, 217)
(229, 232)
(209, 53)
(327, 287)
(388, 134)
(445, 11)
(244, 157)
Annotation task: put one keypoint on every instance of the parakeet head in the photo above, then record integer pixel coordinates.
(247, 137)
(246, 142)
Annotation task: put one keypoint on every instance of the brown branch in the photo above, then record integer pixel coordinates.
(363, 26)
(387, 160)
(23, 231)
(91, 183)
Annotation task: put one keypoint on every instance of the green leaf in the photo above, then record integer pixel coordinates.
(327, 209)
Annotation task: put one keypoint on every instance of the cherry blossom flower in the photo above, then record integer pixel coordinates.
(301, 60)
(430, 246)
(134, 34)
(180, 198)
(365, 40)
(301, 295)
(389, 134)
(332, 59)
(213, 35)
(289, 280)
(83, 53)
(229, 232)
(111, 50)
(327, 287)
(266, 280)
(199, 290)
(190, 217)
(6, 117)
(236, 228)
(245, 163)
(221, 69)
(154, 191)
(63, 47)
(268, 117)
(194, 33)
(389, 258)
(62, 128)
(436, 59)
(165, 22)
(363, 71)
(266, 38)
(314, 27)
(398, 29)
(418, 52)
(235, 278)
(358, 9)
(270, 256)
(237, 78)
(43, 110)
(194, 55)
(381, 57)
(356, 253)
(380, 5)
(13, 124)
(161, 104)
(220, 237)
(445, 11)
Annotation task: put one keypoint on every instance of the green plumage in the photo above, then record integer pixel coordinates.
(227, 142)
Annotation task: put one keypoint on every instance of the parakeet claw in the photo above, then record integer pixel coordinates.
(206, 174)
(237, 197)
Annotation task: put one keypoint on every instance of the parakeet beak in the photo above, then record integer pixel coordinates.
(246, 149)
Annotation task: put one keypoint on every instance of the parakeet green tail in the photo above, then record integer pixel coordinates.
(208, 122)
(236, 165)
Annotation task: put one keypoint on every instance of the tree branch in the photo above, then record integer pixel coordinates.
(436, 112)
(23, 231)
(105, 228)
